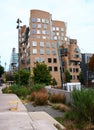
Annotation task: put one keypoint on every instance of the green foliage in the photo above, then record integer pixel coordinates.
(81, 78)
(38, 87)
(83, 105)
(21, 91)
(67, 76)
(1, 70)
(41, 74)
(9, 77)
(24, 77)
(53, 82)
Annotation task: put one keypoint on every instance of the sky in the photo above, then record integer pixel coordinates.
(78, 14)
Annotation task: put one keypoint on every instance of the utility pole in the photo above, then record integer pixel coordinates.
(18, 27)
(60, 61)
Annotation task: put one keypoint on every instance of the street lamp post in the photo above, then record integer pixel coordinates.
(18, 27)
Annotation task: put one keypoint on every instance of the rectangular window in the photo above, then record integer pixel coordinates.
(33, 31)
(37, 36)
(48, 52)
(45, 26)
(38, 31)
(49, 60)
(38, 19)
(34, 51)
(43, 32)
(33, 20)
(54, 60)
(43, 20)
(54, 52)
(41, 44)
(53, 45)
(47, 44)
(55, 68)
(55, 37)
(39, 25)
(50, 68)
(33, 25)
(41, 51)
(62, 29)
(46, 21)
(41, 59)
(53, 28)
(57, 28)
(44, 37)
(34, 43)
(36, 59)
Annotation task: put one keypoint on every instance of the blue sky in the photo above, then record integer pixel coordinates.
(78, 14)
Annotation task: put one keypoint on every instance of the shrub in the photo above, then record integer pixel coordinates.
(38, 87)
(61, 107)
(41, 98)
(57, 98)
(19, 91)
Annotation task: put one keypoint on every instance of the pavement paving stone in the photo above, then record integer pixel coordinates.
(21, 119)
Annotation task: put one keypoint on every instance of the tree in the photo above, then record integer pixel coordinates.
(1, 70)
(91, 63)
(53, 82)
(41, 74)
(24, 77)
(81, 78)
(67, 76)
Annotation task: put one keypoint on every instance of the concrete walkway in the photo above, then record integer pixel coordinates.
(20, 119)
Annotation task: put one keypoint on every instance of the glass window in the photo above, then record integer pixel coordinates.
(49, 60)
(34, 51)
(42, 44)
(57, 28)
(50, 68)
(33, 31)
(53, 28)
(57, 33)
(44, 37)
(41, 51)
(39, 25)
(54, 45)
(43, 32)
(54, 60)
(33, 19)
(54, 52)
(41, 59)
(38, 31)
(43, 20)
(48, 52)
(55, 68)
(46, 21)
(36, 59)
(45, 26)
(38, 19)
(55, 37)
(33, 25)
(34, 43)
(62, 29)
(62, 34)
(37, 36)
(47, 44)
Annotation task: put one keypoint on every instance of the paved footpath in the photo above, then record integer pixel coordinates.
(20, 119)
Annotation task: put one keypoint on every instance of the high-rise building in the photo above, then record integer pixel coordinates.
(14, 60)
(45, 36)
(87, 74)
